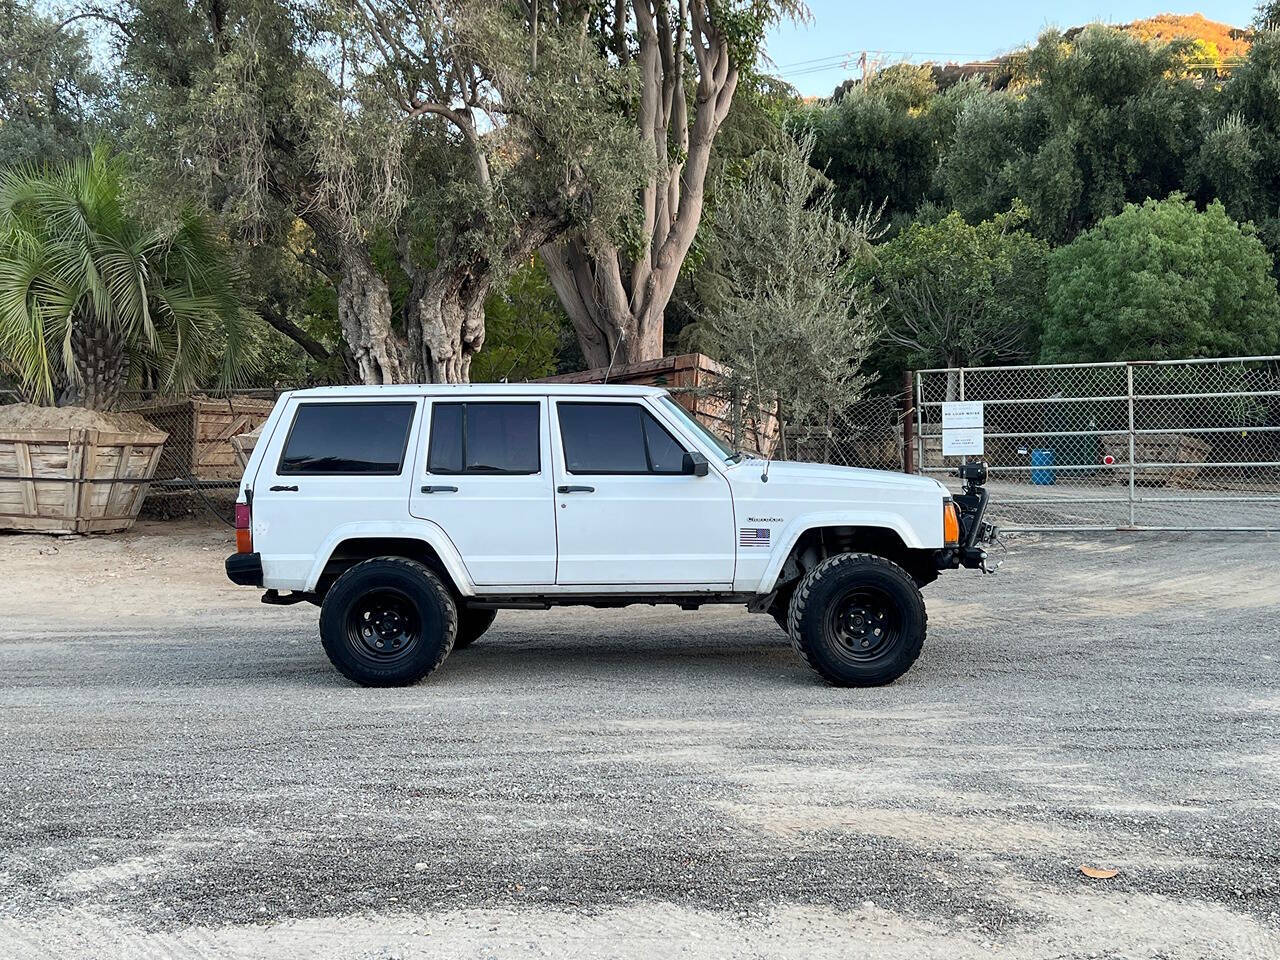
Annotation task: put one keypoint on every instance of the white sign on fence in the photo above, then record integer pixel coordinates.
(962, 428)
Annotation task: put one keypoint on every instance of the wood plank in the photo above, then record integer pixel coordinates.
(22, 453)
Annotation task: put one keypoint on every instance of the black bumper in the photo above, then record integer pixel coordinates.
(245, 569)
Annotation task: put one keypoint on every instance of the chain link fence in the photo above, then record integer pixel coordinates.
(1167, 445)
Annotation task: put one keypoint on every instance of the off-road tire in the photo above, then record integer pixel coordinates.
(415, 614)
(854, 589)
(472, 625)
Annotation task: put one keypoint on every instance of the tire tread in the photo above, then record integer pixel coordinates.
(800, 599)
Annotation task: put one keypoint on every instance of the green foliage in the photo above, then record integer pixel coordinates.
(49, 88)
(525, 327)
(1095, 122)
(71, 256)
(879, 144)
(1161, 281)
(785, 309)
(957, 294)
(1239, 162)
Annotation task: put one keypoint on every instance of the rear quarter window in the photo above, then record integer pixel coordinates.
(347, 438)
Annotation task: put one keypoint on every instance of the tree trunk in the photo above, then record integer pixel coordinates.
(364, 313)
(101, 365)
(445, 321)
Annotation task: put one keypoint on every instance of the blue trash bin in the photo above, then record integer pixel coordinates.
(1042, 457)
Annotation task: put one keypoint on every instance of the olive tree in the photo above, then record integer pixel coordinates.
(786, 310)
(461, 135)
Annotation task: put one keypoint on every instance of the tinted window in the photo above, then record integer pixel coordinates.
(445, 453)
(484, 438)
(665, 455)
(616, 438)
(347, 438)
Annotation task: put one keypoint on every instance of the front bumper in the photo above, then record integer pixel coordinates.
(245, 569)
(975, 532)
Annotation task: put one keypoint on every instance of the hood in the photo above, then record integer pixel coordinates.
(788, 470)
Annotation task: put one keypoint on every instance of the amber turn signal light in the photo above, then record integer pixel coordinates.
(950, 523)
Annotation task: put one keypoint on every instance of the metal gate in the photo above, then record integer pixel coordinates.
(1162, 445)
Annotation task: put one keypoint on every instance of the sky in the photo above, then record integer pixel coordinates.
(810, 57)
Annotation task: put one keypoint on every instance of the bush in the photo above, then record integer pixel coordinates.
(1161, 281)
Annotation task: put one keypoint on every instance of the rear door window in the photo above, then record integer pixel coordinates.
(481, 437)
(347, 438)
(617, 438)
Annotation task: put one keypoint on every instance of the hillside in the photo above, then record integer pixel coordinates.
(1220, 45)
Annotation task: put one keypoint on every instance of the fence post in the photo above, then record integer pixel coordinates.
(1133, 446)
(908, 424)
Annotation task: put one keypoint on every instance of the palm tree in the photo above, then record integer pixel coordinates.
(89, 296)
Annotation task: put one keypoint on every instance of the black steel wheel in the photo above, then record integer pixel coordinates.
(388, 622)
(864, 621)
(383, 625)
(858, 620)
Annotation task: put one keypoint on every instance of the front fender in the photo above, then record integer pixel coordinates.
(424, 530)
(792, 532)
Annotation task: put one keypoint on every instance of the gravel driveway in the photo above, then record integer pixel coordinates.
(182, 774)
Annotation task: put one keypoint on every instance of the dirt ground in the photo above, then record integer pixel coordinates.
(182, 774)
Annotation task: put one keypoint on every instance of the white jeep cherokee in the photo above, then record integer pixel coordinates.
(411, 514)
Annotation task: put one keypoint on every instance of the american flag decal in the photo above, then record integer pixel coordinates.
(753, 536)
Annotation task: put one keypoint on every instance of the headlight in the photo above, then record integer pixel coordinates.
(950, 523)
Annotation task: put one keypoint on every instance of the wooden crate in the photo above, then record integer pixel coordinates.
(693, 379)
(74, 481)
(200, 431)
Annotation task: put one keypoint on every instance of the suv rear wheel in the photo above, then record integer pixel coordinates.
(858, 620)
(472, 625)
(388, 622)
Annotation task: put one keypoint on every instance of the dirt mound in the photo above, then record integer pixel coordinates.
(28, 416)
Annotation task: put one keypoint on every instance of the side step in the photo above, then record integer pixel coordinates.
(289, 599)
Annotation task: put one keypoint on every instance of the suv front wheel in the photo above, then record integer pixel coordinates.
(858, 620)
(388, 622)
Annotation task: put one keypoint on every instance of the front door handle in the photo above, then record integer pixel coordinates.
(571, 489)
(281, 488)
(439, 489)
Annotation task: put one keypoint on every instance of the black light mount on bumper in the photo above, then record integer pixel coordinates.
(974, 530)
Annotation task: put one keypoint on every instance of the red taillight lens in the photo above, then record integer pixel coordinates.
(244, 535)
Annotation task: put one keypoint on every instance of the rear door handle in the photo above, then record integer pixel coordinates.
(439, 489)
(572, 489)
(281, 488)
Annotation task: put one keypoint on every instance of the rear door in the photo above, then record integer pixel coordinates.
(627, 513)
(336, 461)
(484, 476)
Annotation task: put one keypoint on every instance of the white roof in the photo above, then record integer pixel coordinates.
(481, 389)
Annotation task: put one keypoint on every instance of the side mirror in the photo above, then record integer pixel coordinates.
(696, 464)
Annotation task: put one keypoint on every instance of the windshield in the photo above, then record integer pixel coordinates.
(727, 452)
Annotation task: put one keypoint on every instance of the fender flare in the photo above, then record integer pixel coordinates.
(424, 530)
(792, 532)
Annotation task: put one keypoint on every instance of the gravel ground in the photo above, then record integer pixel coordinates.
(182, 774)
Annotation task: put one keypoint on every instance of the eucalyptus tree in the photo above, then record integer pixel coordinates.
(687, 58)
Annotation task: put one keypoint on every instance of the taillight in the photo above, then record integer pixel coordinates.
(950, 523)
(244, 535)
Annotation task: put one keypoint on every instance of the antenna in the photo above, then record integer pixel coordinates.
(613, 356)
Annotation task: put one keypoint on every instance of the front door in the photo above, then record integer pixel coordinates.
(484, 476)
(626, 513)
